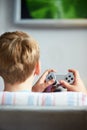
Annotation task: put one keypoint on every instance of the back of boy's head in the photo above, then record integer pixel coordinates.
(19, 53)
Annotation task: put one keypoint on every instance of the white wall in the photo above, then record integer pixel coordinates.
(61, 48)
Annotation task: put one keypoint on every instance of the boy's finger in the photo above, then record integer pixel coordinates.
(48, 83)
(75, 72)
(65, 84)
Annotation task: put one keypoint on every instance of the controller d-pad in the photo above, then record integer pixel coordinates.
(50, 77)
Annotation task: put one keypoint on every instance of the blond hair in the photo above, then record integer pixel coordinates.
(19, 53)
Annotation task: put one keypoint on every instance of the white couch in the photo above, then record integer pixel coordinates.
(43, 111)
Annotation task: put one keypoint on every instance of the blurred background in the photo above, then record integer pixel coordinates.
(61, 47)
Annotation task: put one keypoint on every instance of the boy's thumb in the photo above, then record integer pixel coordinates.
(65, 84)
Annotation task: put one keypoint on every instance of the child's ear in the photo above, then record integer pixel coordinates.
(38, 68)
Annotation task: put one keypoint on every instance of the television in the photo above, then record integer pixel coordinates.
(51, 13)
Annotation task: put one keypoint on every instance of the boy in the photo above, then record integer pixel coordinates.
(19, 63)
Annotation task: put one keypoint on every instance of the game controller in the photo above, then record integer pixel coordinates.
(56, 85)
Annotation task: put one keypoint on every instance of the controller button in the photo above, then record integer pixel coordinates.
(71, 78)
(68, 81)
(66, 78)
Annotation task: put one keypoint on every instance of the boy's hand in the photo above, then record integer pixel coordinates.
(77, 86)
(41, 84)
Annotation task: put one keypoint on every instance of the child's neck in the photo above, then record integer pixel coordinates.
(24, 86)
